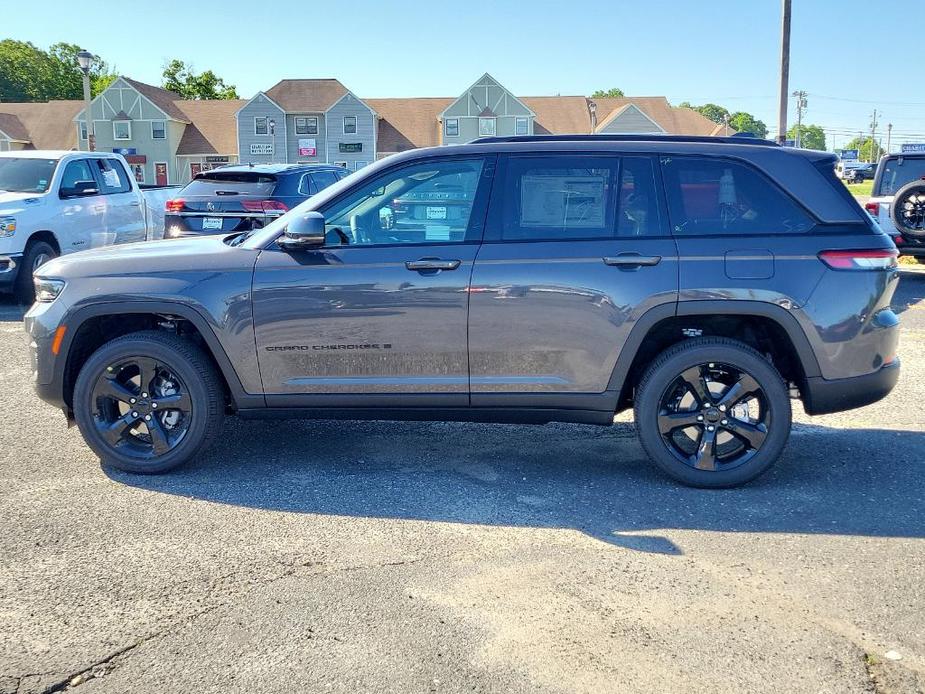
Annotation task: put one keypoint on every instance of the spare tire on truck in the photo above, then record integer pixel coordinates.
(908, 210)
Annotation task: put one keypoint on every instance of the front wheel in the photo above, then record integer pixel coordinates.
(712, 412)
(37, 254)
(148, 402)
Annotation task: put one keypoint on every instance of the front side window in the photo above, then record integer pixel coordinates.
(261, 126)
(559, 197)
(112, 176)
(350, 125)
(306, 125)
(487, 127)
(451, 127)
(121, 130)
(521, 126)
(158, 129)
(715, 196)
(431, 202)
(75, 172)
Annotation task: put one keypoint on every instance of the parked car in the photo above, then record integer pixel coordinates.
(244, 197)
(56, 202)
(897, 201)
(701, 281)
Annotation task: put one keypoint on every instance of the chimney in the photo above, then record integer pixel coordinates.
(592, 107)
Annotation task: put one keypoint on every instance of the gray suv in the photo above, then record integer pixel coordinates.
(703, 282)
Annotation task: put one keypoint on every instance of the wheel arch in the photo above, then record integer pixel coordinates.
(769, 328)
(83, 336)
(47, 236)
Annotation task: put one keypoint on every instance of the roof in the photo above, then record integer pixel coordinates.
(46, 125)
(212, 127)
(306, 96)
(12, 127)
(278, 168)
(559, 114)
(163, 99)
(408, 123)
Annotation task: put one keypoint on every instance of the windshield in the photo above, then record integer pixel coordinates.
(26, 175)
(898, 171)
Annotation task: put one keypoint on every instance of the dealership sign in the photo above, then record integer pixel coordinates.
(913, 147)
(124, 151)
(847, 154)
(262, 149)
(216, 160)
(307, 147)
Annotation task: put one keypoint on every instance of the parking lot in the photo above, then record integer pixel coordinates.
(408, 557)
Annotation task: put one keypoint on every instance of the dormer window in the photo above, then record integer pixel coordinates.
(121, 130)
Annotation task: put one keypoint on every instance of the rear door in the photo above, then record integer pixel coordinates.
(577, 248)
(124, 213)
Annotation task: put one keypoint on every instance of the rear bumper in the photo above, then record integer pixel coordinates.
(9, 269)
(913, 247)
(822, 396)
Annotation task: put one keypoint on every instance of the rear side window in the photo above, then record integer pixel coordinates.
(716, 196)
(112, 176)
(231, 183)
(323, 179)
(898, 171)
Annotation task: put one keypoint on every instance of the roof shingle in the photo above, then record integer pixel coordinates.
(306, 96)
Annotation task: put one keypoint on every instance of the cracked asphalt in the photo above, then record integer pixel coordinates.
(409, 557)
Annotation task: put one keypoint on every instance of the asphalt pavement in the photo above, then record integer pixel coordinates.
(418, 557)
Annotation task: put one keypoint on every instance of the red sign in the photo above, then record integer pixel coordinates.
(136, 158)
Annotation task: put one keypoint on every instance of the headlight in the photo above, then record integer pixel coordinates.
(47, 290)
(7, 226)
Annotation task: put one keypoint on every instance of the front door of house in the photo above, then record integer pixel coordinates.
(160, 173)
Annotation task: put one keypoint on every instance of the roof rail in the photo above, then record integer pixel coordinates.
(738, 139)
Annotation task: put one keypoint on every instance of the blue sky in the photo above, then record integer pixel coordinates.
(846, 53)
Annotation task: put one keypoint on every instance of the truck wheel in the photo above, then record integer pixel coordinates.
(37, 254)
(712, 412)
(148, 402)
(908, 209)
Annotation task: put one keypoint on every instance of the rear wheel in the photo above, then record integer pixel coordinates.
(712, 412)
(908, 209)
(37, 254)
(148, 402)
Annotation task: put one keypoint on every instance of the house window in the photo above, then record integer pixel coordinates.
(357, 165)
(82, 126)
(158, 130)
(121, 130)
(306, 125)
(521, 127)
(487, 127)
(261, 127)
(350, 125)
(451, 127)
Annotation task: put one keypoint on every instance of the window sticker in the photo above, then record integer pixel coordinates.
(562, 201)
(111, 178)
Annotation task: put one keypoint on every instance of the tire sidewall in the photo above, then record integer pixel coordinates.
(25, 291)
(661, 376)
(894, 208)
(83, 405)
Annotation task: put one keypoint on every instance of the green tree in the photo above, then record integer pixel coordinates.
(28, 73)
(867, 149)
(612, 93)
(180, 78)
(746, 123)
(811, 136)
(714, 112)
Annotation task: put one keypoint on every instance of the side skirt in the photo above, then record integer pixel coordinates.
(496, 415)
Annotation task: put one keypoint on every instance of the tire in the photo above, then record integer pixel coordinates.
(686, 454)
(37, 252)
(914, 189)
(185, 377)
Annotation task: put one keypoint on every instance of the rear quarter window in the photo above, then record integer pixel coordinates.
(719, 196)
(240, 183)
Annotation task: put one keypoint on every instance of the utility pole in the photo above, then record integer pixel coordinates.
(800, 96)
(784, 72)
(84, 59)
(889, 132)
(726, 124)
(873, 134)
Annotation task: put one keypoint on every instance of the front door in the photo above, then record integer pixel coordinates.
(576, 249)
(377, 316)
(160, 173)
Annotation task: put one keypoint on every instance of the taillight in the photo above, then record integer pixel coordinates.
(880, 259)
(873, 208)
(175, 205)
(264, 206)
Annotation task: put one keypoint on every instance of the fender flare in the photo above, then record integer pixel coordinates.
(75, 319)
(781, 316)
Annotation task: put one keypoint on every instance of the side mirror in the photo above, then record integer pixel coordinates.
(303, 232)
(80, 189)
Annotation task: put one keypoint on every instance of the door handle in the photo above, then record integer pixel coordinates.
(630, 260)
(135, 203)
(425, 264)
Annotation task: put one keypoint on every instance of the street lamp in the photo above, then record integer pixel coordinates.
(83, 60)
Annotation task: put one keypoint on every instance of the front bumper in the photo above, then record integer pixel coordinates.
(823, 396)
(9, 269)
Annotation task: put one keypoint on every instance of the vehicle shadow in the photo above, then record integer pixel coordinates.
(911, 290)
(10, 309)
(597, 480)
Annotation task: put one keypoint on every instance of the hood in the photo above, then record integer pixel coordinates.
(11, 203)
(147, 258)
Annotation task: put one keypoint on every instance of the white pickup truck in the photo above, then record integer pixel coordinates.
(58, 202)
